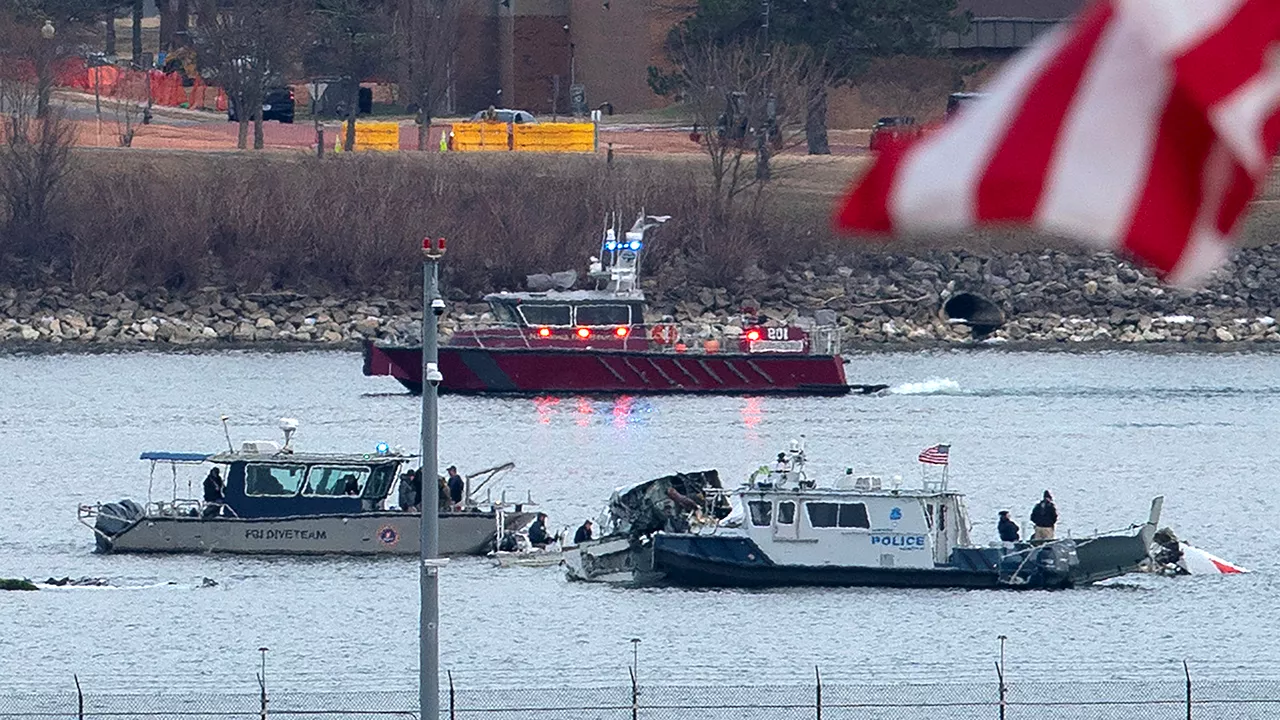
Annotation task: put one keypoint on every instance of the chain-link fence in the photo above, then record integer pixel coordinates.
(1160, 699)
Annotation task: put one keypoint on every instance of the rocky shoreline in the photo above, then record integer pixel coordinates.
(1050, 298)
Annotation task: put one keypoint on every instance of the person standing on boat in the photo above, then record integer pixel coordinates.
(411, 491)
(1009, 531)
(538, 535)
(583, 534)
(456, 486)
(1044, 516)
(214, 494)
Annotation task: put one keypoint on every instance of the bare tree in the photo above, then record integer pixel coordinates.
(427, 42)
(129, 106)
(245, 46)
(748, 103)
(351, 42)
(35, 158)
(911, 86)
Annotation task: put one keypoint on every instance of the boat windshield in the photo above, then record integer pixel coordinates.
(552, 315)
(334, 480)
(273, 480)
(503, 313)
(604, 315)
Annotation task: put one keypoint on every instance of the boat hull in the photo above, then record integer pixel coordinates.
(521, 371)
(382, 533)
(723, 561)
(735, 561)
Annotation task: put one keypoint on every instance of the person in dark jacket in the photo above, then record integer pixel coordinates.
(1044, 516)
(584, 533)
(411, 491)
(456, 485)
(214, 494)
(1009, 531)
(538, 535)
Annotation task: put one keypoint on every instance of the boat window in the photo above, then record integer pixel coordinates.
(822, 514)
(273, 480)
(336, 481)
(928, 514)
(604, 315)
(380, 482)
(503, 313)
(845, 515)
(761, 512)
(545, 315)
(786, 513)
(854, 515)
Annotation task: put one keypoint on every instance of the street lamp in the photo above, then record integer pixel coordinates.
(44, 79)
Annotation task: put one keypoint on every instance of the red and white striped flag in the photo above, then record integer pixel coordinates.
(1144, 127)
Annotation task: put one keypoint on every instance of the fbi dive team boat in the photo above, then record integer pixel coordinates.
(782, 528)
(278, 501)
(556, 339)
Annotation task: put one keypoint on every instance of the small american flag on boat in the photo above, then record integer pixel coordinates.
(936, 455)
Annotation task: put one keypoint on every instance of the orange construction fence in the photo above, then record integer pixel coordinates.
(167, 89)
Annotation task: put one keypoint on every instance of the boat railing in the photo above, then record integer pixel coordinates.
(666, 337)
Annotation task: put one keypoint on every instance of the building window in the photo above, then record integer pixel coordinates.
(761, 512)
(786, 513)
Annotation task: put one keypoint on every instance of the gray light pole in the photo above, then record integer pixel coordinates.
(429, 615)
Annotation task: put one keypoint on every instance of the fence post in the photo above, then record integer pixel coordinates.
(1000, 676)
(635, 695)
(1186, 671)
(817, 677)
(262, 690)
(79, 698)
(452, 707)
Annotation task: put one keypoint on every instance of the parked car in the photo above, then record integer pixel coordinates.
(517, 117)
(889, 131)
(277, 104)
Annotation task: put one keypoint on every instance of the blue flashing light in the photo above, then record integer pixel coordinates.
(611, 245)
(382, 448)
(634, 245)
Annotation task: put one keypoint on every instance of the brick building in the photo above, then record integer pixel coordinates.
(517, 53)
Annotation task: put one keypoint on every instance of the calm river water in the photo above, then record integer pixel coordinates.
(1105, 432)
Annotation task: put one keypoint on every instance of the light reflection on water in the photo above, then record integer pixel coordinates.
(1105, 432)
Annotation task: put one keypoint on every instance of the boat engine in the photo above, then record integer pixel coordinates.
(114, 518)
(981, 315)
(1039, 567)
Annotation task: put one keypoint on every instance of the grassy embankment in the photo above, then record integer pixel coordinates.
(283, 221)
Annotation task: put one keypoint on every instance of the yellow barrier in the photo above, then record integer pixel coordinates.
(377, 136)
(555, 137)
(383, 136)
(549, 137)
(480, 136)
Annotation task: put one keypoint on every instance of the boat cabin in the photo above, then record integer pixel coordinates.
(862, 520)
(261, 480)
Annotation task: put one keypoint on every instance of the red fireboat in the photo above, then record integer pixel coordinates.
(597, 342)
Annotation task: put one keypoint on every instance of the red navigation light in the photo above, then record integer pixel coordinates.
(753, 335)
(621, 331)
(440, 242)
(426, 244)
(584, 333)
(544, 332)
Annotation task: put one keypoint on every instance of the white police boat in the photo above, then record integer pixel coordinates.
(785, 530)
(279, 501)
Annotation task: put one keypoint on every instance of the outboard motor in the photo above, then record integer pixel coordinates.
(1047, 566)
(981, 315)
(115, 518)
